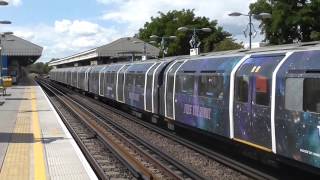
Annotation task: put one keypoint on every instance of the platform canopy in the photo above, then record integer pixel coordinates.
(16, 53)
(123, 47)
(16, 46)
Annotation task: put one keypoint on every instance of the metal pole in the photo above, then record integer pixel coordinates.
(250, 30)
(162, 46)
(195, 38)
(1, 60)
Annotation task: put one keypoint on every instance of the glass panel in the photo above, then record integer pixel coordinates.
(120, 86)
(139, 80)
(293, 94)
(311, 95)
(149, 92)
(242, 88)
(185, 83)
(262, 90)
(211, 86)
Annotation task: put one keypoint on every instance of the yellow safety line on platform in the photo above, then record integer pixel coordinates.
(16, 164)
(253, 145)
(39, 163)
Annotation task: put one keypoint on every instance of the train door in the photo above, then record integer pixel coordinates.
(169, 89)
(252, 104)
(86, 79)
(101, 81)
(120, 83)
(148, 90)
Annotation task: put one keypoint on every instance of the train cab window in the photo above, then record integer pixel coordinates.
(311, 95)
(242, 88)
(262, 91)
(211, 86)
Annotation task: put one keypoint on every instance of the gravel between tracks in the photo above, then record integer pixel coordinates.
(113, 168)
(204, 165)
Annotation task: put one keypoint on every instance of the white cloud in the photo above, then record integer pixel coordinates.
(66, 37)
(76, 27)
(135, 13)
(14, 2)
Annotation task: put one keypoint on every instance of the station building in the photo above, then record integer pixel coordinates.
(125, 49)
(17, 53)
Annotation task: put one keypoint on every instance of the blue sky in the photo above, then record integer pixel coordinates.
(65, 27)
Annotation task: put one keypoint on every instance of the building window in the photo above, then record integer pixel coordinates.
(311, 95)
(211, 86)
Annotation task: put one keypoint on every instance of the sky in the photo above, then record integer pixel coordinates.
(66, 27)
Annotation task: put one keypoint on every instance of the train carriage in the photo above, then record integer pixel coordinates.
(197, 92)
(297, 108)
(134, 84)
(267, 98)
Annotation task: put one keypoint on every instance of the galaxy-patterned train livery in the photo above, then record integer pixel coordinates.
(268, 98)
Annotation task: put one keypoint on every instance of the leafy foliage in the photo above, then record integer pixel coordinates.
(167, 25)
(39, 68)
(291, 20)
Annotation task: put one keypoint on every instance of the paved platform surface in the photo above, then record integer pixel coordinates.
(34, 143)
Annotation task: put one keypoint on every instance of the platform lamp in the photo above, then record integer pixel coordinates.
(163, 42)
(194, 41)
(250, 25)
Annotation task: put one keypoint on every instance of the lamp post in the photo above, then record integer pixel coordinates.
(250, 25)
(194, 41)
(2, 3)
(164, 39)
(144, 49)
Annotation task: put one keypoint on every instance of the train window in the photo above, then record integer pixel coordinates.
(139, 80)
(242, 88)
(294, 94)
(211, 86)
(262, 91)
(129, 79)
(185, 84)
(311, 95)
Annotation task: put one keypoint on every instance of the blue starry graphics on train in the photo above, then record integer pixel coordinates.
(252, 109)
(202, 97)
(297, 131)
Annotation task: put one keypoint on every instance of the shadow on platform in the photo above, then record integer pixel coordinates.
(25, 138)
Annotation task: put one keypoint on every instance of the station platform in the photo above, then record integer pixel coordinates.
(34, 142)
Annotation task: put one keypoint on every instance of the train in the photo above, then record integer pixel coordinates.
(267, 98)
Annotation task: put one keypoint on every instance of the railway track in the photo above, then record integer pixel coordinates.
(204, 163)
(142, 159)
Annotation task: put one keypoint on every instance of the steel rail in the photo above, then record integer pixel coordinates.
(234, 164)
(146, 173)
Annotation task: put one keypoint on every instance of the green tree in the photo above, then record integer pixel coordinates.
(39, 68)
(167, 25)
(291, 20)
(228, 44)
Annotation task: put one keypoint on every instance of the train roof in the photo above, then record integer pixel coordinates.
(315, 45)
